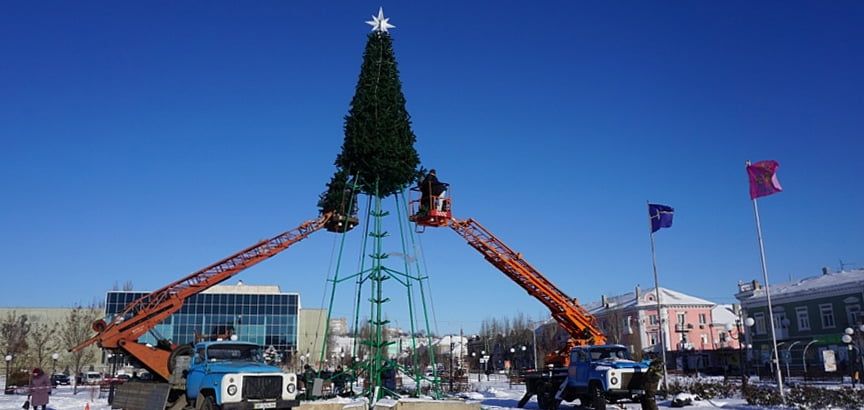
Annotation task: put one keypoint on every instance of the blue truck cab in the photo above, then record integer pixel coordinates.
(603, 373)
(233, 376)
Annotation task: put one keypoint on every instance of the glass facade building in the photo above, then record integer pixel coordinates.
(259, 314)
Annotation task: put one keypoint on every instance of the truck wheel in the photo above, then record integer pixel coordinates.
(182, 350)
(207, 404)
(598, 399)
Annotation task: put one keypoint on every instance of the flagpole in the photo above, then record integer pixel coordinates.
(659, 303)
(768, 297)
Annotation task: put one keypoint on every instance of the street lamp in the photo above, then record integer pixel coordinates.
(485, 363)
(54, 357)
(853, 342)
(8, 363)
(749, 322)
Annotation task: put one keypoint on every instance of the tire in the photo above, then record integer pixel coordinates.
(207, 404)
(182, 350)
(597, 398)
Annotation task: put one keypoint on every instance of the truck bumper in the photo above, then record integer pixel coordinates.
(255, 405)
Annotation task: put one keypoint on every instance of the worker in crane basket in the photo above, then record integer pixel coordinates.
(431, 189)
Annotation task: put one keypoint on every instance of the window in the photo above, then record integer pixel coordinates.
(852, 314)
(653, 319)
(827, 313)
(803, 318)
(652, 339)
(704, 339)
(760, 323)
(702, 319)
(680, 318)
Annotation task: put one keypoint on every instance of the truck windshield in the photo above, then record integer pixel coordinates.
(229, 352)
(615, 353)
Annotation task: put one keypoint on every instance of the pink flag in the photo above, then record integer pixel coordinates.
(763, 178)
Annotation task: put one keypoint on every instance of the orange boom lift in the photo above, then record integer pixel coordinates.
(142, 315)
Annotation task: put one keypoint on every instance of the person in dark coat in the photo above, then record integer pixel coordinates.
(652, 382)
(40, 388)
(388, 376)
(308, 380)
(338, 380)
(430, 187)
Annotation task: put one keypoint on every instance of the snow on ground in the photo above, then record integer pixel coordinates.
(61, 399)
(493, 393)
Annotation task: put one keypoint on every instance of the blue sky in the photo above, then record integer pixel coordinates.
(142, 141)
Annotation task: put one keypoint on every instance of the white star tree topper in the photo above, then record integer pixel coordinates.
(379, 23)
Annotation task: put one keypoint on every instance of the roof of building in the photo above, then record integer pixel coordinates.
(244, 289)
(722, 314)
(668, 297)
(824, 282)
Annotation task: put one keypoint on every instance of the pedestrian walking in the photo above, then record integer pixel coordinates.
(40, 389)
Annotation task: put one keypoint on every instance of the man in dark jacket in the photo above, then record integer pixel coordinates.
(430, 187)
(308, 380)
(652, 382)
(338, 380)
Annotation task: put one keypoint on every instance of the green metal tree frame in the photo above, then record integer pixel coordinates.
(373, 365)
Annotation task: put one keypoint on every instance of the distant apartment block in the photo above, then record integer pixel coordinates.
(810, 316)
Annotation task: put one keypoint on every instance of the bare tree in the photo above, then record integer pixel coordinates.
(75, 330)
(13, 336)
(127, 286)
(41, 341)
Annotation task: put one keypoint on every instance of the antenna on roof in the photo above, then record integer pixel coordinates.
(843, 265)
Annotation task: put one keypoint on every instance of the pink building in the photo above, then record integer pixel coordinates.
(691, 324)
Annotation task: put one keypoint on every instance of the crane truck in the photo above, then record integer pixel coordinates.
(223, 374)
(585, 368)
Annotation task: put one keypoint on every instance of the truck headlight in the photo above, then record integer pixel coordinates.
(291, 387)
(613, 380)
(232, 390)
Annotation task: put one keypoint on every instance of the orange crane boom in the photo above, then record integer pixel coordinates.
(578, 322)
(145, 313)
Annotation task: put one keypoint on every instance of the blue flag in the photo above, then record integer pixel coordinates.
(661, 216)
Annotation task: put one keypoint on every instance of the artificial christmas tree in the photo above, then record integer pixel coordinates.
(378, 158)
(379, 143)
(340, 200)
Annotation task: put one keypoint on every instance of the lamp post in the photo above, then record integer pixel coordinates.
(742, 344)
(474, 356)
(54, 357)
(524, 350)
(510, 368)
(8, 363)
(804, 356)
(534, 344)
(485, 363)
(452, 345)
(852, 340)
